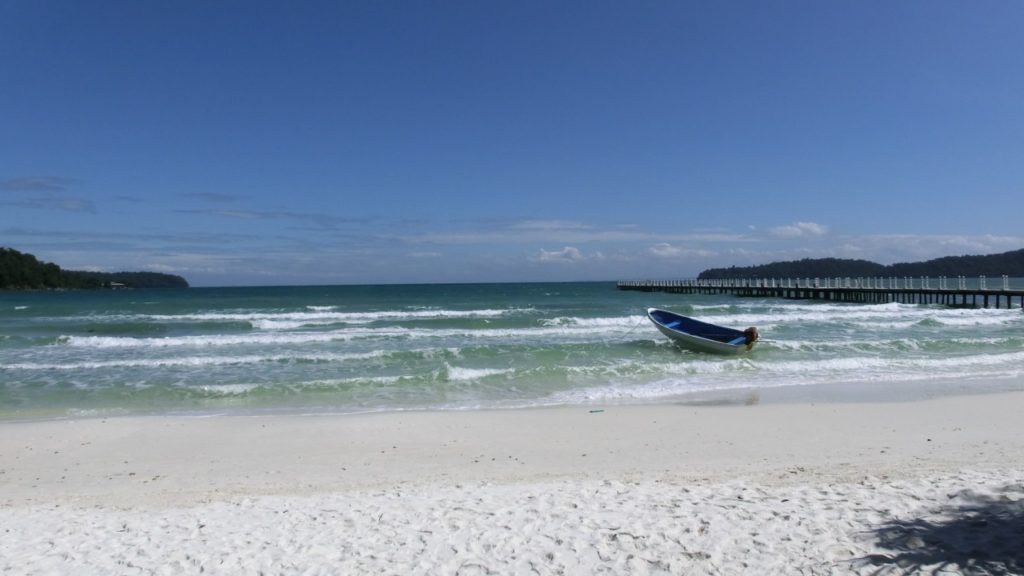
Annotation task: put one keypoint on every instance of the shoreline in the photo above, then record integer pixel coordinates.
(840, 392)
(817, 488)
(173, 460)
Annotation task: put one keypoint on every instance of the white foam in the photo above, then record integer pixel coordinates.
(330, 314)
(228, 389)
(461, 374)
(202, 341)
(612, 322)
(980, 320)
(194, 361)
(725, 374)
(892, 314)
(573, 332)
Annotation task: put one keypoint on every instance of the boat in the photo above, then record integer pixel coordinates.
(700, 336)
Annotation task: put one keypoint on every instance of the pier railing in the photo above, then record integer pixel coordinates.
(951, 291)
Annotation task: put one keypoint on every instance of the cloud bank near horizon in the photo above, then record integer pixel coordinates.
(366, 250)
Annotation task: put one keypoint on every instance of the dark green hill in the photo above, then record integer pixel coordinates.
(1008, 263)
(820, 267)
(132, 279)
(20, 271)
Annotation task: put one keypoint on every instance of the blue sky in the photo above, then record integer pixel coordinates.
(240, 143)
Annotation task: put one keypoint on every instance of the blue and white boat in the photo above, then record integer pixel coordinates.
(701, 336)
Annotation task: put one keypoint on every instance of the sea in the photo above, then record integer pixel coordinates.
(356, 349)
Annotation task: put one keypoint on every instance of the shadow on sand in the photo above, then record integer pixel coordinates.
(974, 534)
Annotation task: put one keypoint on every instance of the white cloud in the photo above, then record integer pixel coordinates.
(881, 248)
(212, 196)
(37, 184)
(548, 225)
(799, 230)
(891, 248)
(59, 204)
(552, 231)
(567, 254)
(665, 250)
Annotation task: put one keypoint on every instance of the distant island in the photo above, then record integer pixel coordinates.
(20, 271)
(1008, 263)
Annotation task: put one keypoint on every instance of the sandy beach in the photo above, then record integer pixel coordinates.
(823, 488)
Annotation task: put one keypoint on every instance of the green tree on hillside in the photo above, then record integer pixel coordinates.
(19, 271)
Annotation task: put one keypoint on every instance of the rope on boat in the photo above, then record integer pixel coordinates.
(628, 332)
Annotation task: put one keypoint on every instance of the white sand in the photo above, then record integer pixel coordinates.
(777, 489)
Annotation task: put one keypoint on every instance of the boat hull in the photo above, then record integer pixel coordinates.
(717, 339)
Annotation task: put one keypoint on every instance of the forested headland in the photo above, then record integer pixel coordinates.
(1008, 263)
(21, 271)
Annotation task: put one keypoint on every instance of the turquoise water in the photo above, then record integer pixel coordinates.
(380, 348)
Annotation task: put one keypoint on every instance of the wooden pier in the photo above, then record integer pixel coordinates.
(943, 290)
